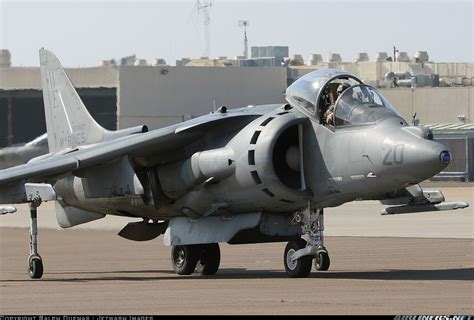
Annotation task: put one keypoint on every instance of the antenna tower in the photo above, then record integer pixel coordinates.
(204, 8)
(245, 24)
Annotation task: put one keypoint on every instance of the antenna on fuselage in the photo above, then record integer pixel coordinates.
(415, 121)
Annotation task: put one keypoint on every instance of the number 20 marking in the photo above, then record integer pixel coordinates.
(394, 155)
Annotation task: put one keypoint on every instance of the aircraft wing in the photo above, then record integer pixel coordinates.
(151, 143)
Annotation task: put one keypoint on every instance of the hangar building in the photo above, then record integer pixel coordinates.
(125, 96)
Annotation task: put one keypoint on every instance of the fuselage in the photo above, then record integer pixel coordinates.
(277, 162)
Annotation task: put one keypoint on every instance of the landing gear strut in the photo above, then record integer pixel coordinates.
(298, 254)
(35, 263)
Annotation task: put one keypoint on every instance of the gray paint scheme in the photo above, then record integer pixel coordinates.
(214, 176)
(213, 229)
(20, 154)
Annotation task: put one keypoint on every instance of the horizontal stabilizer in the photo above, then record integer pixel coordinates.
(143, 231)
(424, 208)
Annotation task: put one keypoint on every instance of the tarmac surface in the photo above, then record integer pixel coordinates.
(93, 272)
(408, 264)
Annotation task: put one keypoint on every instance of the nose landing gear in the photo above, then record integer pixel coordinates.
(299, 254)
(322, 261)
(299, 268)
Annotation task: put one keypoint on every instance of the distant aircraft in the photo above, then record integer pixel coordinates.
(249, 175)
(20, 154)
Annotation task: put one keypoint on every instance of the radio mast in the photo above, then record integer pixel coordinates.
(204, 8)
(245, 24)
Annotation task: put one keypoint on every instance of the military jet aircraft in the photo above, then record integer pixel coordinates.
(250, 175)
(20, 154)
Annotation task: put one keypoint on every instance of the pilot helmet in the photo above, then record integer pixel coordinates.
(342, 87)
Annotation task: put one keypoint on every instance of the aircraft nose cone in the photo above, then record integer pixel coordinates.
(425, 159)
(445, 157)
(411, 159)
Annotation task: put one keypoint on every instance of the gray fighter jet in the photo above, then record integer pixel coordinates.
(20, 154)
(250, 175)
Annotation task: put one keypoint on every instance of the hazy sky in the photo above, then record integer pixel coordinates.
(83, 33)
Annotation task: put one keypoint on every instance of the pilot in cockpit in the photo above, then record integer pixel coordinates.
(329, 114)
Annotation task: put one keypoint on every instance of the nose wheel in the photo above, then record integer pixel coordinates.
(300, 253)
(322, 261)
(296, 268)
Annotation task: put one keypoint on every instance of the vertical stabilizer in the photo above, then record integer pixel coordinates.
(68, 122)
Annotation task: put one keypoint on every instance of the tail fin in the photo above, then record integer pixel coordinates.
(68, 122)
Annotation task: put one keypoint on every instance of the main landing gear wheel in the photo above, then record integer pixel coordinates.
(300, 268)
(322, 261)
(185, 259)
(209, 259)
(35, 269)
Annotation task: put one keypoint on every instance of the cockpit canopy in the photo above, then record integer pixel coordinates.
(316, 93)
(308, 93)
(362, 104)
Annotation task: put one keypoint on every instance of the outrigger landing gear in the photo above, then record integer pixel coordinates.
(35, 263)
(36, 193)
(299, 254)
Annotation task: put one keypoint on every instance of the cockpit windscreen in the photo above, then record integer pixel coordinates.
(362, 104)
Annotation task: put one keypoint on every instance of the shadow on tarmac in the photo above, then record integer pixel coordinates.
(462, 274)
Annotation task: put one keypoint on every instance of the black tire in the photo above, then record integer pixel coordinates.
(322, 261)
(300, 268)
(209, 260)
(184, 259)
(35, 269)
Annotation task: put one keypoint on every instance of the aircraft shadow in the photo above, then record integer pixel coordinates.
(460, 274)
